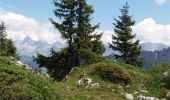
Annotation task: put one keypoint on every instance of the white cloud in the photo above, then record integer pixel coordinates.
(149, 31)
(160, 2)
(19, 27)
(107, 37)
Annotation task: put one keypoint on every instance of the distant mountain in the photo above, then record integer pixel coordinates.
(151, 51)
(152, 57)
(28, 47)
(153, 46)
(145, 47)
(155, 57)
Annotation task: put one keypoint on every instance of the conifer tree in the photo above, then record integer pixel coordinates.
(75, 27)
(3, 35)
(7, 47)
(85, 37)
(11, 49)
(124, 39)
(61, 62)
(65, 11)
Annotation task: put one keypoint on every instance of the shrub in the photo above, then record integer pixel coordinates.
(112, 73)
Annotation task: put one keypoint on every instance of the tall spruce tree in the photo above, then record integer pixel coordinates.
(60, 63)
(123, 40)
(75, 27)
(3, 35)
(7, 47)
(85, 38)
(65, 11)
(11, 49)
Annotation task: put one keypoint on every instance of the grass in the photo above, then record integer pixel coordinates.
(19, 83)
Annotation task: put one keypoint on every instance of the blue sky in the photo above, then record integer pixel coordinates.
(105, 10)
(30, 18)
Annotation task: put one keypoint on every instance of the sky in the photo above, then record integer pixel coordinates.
(30, 18)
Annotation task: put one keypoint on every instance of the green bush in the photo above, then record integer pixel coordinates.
(113, 73)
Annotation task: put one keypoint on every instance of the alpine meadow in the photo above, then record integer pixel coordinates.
(85, 50)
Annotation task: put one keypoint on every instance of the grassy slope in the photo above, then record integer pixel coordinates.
(17, 82)
(150, 80)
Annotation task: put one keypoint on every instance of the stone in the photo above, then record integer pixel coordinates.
(141, 97)
(167, 74)
(135, 92)
(129, 96)
(21, 64)
(85, 81)
(168, 96)
(144, 91)
(120, 87)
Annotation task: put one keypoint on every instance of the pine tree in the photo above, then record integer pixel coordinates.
(3, 35)
(11, 49)
(60, 63)
(74, 27)
(85, 37)
(65, 11)
(123, 40)
(7, 47)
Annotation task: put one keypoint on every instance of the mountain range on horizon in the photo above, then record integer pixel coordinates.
(28, 48)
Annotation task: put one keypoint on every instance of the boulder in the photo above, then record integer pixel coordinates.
(129, 96)
(141, 97)
(21, 64)
(93, 85)
(85, 81)
(144, 91)
(167, 74)
(168, 96)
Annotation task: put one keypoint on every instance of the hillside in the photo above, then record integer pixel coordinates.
(19, 83)
(110, 81)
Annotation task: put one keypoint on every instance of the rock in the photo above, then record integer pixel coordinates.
(129, 96)
(167, 74)
(168, 96)
(113, 90)
(120, 87)
(135, 92)
(85, 81)
(144, 91)
(88, 82)
(95, 85)
(21, 64)
(141, 97)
